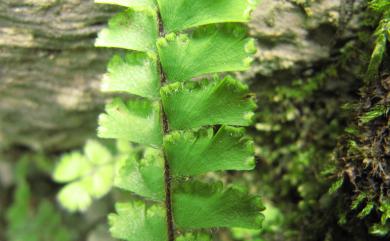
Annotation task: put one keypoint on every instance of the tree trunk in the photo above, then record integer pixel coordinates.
(49, 72)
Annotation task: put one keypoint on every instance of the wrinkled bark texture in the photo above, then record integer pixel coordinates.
(50, 71)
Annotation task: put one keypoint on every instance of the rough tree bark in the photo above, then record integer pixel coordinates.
(50, 71)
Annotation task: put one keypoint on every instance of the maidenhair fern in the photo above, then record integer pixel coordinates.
(86, 176)
(189, 122)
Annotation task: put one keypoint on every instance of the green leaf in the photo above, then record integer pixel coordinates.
(21, 196)
(273, 222)
(183, 14)
(135, 222)
(96, 153)
(136, 74)
(210, 49)
(144, 177)
(75, 197)
(71, 167)
(48, 219)
(385, 210)
(377, 56)
(198, 205)
(379, 229)
(195, 104)
(24, 222)
(358, 200)
(137, 121)
(380, 5)
(193, 237)
(87, 176)
(137, 4)
(191, 153)
(43, 224)
(131, 29)
(336, 185)
(366, 210)
(244, 234)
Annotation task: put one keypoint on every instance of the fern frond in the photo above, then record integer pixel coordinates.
(144, 177)
(135, 73)
(137, 121)
(199, 205)
(87, 176)
(193, 104)
(210, 49)
(169, 44)
(205, 151)
(131, 29)
(135, 222)
(180, 15)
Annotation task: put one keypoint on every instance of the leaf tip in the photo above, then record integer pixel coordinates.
(162, 42)
(250, 46)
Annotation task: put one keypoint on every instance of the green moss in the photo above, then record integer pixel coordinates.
(302, 126)
(362, 156)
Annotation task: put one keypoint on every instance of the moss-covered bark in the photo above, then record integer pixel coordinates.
(302, 122)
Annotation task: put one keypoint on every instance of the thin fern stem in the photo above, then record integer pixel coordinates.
(167, 170)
